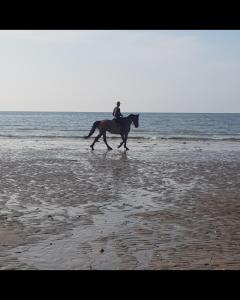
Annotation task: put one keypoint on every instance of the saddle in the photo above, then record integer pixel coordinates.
(116, 122)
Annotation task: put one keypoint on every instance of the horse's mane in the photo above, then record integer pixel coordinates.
(129, 116)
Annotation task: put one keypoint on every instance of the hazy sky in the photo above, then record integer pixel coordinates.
(155, 71)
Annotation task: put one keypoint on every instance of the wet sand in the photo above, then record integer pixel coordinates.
(161, 205)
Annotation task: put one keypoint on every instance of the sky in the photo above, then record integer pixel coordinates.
(146, 70)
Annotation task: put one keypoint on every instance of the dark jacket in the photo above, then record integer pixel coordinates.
(117, 113)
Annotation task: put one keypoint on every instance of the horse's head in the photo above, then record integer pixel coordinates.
(135, 120)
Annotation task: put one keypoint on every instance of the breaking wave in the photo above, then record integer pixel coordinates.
(142, 137)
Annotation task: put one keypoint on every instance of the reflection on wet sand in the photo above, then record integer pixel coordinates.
(114, 167)
(155, 209)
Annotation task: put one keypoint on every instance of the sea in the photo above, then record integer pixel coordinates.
(174, 126)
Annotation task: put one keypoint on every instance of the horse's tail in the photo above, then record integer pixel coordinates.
(95, 125)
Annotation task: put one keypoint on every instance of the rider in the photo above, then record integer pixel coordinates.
(117, 114)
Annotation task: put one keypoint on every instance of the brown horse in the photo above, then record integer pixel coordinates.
(113, 127)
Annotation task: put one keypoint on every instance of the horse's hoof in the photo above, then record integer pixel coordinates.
(92, 148)
(127, 149)
(109, 148)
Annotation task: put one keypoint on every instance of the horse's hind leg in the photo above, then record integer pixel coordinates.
(96, 140)
(122, 141)
(125, 142)
(105, 141)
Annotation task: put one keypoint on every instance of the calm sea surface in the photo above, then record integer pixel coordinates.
(151, 125)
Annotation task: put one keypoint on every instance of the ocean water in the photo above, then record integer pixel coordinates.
(179, 126)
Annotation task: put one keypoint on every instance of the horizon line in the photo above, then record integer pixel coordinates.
(150, 112)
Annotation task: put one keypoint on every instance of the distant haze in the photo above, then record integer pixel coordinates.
(148, 71)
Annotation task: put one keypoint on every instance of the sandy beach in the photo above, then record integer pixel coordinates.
(161, 205)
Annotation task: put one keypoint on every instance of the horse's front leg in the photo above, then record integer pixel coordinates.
(105, 141)
(120, 145)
